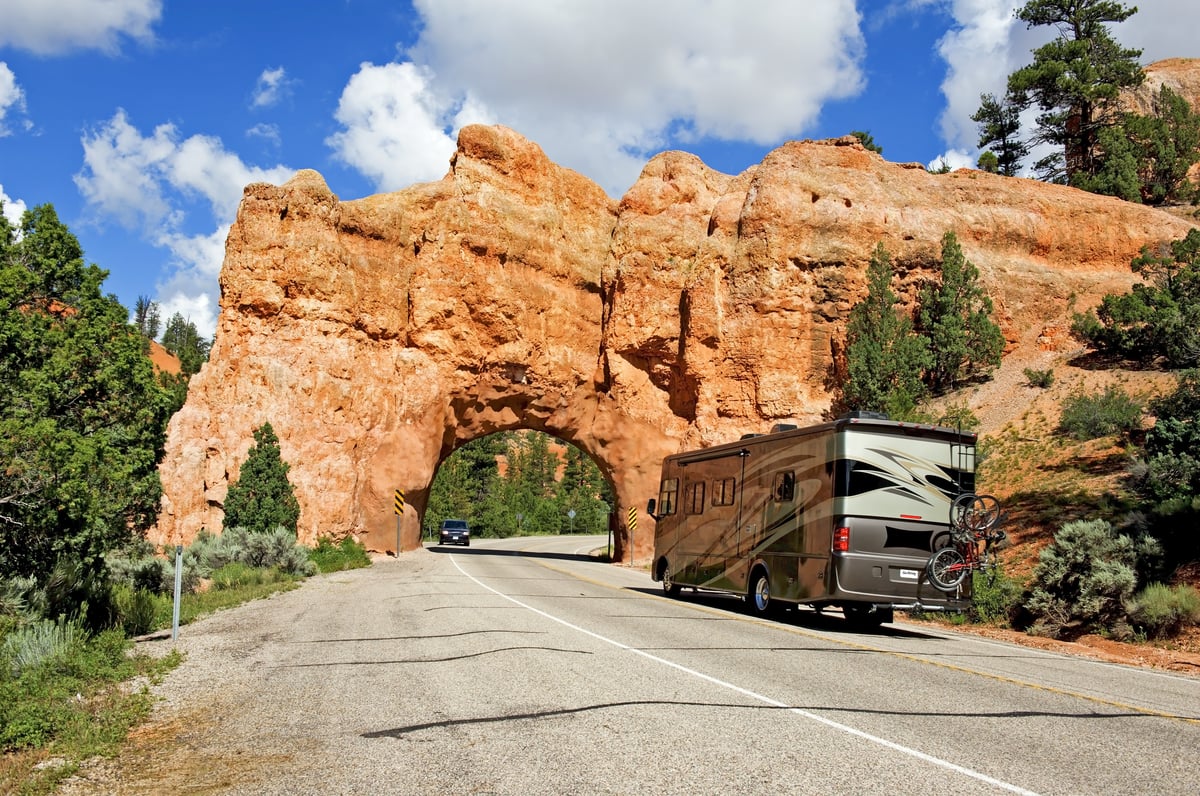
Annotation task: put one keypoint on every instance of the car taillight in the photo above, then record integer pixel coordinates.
(841, 540)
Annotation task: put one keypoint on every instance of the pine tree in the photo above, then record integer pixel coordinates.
(884, 357)
(1000, 127)
(1075, 80)
(262, 498)
(183, 340)
(955, 315)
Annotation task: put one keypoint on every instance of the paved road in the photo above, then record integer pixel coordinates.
(488, 670)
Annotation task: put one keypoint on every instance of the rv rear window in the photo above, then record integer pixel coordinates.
(723, 492)
(695, 498)
(668, 494)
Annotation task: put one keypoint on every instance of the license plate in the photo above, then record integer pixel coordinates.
(908, 574)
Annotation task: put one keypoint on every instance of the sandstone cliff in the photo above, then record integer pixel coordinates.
(376, 335)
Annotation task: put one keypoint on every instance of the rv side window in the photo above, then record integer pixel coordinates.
(695, 498)
(785, 487)
(667, 495)
(723, 492)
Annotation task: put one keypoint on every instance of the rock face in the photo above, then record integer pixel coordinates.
(1181, 75)
(378, 335)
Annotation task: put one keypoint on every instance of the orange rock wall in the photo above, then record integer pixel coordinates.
(379, 334)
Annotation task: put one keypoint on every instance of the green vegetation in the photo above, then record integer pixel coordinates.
(1113, 411)
(867, 141)
(1076, 80)
(1084, 581)
(529, 498)
(1042, 379)
(262, 498)
(892, 364)
(335, 557)
(1157, 320)
(955, 316)
(82, 416)
(183, 340)
(884, 357)
(1161, 611)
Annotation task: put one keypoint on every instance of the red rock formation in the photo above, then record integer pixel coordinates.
(377, 335)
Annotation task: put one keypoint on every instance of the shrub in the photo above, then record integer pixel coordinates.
(262, 497)
(236, 574)
(137, 609)
(1161, 611)
(1042, 379)
(1087, 417)
(1083, 581)
(346, 554)
(42, 642)
(995, 603)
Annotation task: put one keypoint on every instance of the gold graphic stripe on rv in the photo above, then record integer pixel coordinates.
(915, 658)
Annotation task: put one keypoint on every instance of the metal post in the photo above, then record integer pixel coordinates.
(397, 536)
(178, 591)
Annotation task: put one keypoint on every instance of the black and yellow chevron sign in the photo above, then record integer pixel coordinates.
(399, 502)
(633, 518)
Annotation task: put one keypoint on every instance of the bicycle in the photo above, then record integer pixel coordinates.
(974, 533)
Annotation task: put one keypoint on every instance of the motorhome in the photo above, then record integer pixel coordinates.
(843, 514)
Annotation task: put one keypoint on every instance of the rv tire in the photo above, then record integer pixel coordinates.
(759, 599)
(669, 586)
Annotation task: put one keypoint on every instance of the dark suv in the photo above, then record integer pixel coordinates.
(455, 532)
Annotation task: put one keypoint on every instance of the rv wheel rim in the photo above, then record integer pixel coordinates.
(762, 594)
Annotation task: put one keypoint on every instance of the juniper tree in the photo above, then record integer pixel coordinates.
(955, 315)
(884, 357)
(262, 498)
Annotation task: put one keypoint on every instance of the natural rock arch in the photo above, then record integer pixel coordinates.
(379, 334)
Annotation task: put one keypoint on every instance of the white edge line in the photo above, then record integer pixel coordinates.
(758, 697)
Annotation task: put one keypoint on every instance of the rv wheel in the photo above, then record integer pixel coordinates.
(759, 597)
(669, 586)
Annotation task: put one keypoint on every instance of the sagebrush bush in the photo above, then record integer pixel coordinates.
(1113, 411)
(1161, 611)
(1083, 581)
(42, 642)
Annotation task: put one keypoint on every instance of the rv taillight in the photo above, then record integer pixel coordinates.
(841, 540)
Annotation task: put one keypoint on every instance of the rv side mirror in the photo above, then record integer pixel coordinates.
(650, 506)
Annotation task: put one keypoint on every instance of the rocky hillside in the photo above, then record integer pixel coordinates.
(378, 334)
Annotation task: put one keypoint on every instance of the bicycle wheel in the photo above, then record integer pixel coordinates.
(946, 569)
(975, 513)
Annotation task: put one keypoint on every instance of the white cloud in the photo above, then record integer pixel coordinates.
(954, 158)
(12, 97)
(979, 56)
(150, 182)
(267, 132)
(272, 86)
(396, 126)
(13, 208)
(52, 28)
(599, 85)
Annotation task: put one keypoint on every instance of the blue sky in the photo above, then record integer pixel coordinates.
(142, 120)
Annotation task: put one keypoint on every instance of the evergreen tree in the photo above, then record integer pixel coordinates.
(82, 417)
(868, 141)
(884, 358)
(1000, 128)
(955, 315)
(146, 317)
(1075, 80)
(262, 498)
(1165, 144)
(183, 340)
